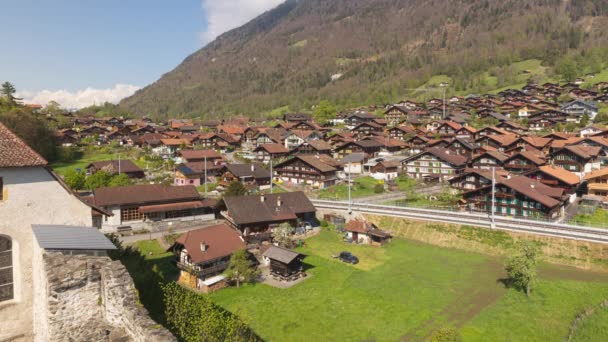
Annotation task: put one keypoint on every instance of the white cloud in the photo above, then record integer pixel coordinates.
(80, 98)
(224, 15)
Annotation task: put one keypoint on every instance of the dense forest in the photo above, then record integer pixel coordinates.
(357, 52)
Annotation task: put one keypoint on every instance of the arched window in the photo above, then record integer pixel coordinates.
(6, 269)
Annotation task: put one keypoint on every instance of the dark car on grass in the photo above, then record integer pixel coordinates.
(347, 257)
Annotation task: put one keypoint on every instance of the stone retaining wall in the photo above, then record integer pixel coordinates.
(94, 299)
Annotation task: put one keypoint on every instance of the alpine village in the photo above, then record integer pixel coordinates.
(460, 195)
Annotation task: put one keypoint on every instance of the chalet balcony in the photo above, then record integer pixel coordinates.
(205, 272)
(519, 166)
(598, 186)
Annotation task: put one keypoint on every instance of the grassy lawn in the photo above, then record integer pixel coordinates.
(61, 167)
(406, 183)
(593, 328)
(598, 219)
(362, 187)
(96, 155)
(407, 290)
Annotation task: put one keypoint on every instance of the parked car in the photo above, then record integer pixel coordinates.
(348, 258)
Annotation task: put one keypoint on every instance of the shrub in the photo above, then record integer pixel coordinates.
(446, 335)
(378, 188)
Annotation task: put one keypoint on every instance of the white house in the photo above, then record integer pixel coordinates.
(30, 193)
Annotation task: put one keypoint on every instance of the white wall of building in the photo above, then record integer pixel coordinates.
(33, 196)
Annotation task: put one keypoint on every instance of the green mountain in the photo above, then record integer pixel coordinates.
(355, 52)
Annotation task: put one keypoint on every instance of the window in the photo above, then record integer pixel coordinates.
(130, 214)
(6, 269)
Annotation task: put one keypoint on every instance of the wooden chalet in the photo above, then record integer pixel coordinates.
(579, 159)
(471, 179)
(314, 171)
(250, 175)
(204, 254)
(313, 147)
(363, 232)
(284, 264)
(369, 147)
(523, 162)
(133, 205)
(488, 160)
(264, 153)
(518, 196)
(401, 132)
(434, 164)
(192, 156)
(396, 114)
(114, 167)
(597, 183)
(558, 178)
(256, 215)
(193, 173)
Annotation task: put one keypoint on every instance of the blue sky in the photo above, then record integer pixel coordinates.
(57, 49)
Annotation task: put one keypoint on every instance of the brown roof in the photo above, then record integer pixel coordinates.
(597, 173)
(561, 174)
(312, 161)
(251, 209)
(155, 208)
(358, 226)
(531, 156)
(319, 145)
(273, 148)
(220, 241)
(585, 152)
(441, 153)
(112, 166)
(536, 141)
(533, 189)
(200, 154)
(14, 152)
(140, 194)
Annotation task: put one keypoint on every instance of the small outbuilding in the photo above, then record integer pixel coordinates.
(285, 264)
(366, 233)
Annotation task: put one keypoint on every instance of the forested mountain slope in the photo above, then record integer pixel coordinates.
(355, 52)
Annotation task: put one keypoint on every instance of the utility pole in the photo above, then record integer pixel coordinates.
(271, 174)
(493, 224)
(349, 196)
(443, 103)
(205, 175)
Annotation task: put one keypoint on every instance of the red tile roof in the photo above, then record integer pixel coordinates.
(220, 241)
(14, 152)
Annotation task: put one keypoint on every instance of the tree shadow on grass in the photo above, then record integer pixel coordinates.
(148, 277)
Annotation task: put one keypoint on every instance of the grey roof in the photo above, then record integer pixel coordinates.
(355, 157)
(71, 237)
(281, 254)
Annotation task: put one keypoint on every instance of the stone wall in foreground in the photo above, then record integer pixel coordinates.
(93, 299)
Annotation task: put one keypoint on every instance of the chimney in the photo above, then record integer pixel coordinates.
(532, 185)
(509, 176)
(203, 246)
(252, 167)
(262, 198)
(279, 202)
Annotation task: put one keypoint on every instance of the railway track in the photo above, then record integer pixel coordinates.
(580, 233)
